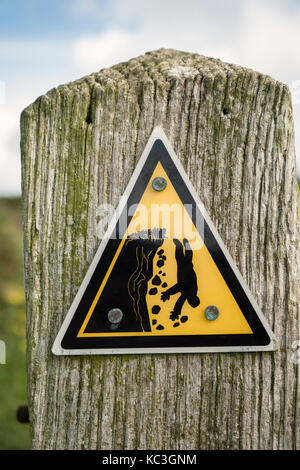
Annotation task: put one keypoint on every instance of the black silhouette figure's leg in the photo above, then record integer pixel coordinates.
(178, 307)
(178, 251)
(191, 288)
(171, 291)
(188, 251)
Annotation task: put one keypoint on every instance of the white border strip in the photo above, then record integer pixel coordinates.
(57, 349)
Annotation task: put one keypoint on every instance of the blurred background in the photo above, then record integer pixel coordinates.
(44, 44)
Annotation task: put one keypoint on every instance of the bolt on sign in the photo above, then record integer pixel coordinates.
(162, 280)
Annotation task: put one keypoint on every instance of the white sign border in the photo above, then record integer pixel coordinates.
(58, 350)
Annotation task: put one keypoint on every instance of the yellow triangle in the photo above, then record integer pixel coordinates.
(164, 209)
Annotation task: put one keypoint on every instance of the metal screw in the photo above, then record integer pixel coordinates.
(159, 183)
(212, 312)
(115, 315)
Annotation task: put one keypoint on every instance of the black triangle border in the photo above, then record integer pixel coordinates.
(259, 338)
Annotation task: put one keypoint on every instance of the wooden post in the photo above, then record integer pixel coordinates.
(232, 128)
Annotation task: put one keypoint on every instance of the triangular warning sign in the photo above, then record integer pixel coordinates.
(162, 279)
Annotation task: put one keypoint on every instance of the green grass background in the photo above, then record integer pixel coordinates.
(13, 435)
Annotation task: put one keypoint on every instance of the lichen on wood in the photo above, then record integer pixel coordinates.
(232, 129)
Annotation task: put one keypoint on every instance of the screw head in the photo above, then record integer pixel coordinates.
(159, 183)
(212, 312)
(115, 315)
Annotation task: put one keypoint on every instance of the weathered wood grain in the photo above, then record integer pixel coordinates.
(232, 128)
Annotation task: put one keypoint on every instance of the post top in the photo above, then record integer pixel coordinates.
(164, 66)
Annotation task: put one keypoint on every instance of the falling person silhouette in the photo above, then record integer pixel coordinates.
(186, 279)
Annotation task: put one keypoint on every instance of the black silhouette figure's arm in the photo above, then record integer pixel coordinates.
(178, 307)
(171, 291)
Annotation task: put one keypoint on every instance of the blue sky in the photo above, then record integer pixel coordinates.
(37, 19)
(43, 44)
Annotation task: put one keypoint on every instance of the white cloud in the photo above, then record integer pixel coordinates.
(261, 35)
(264, 36)
(2, 92)
(31, 68)
(10, 169)
(104, 50)
(269, 39)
